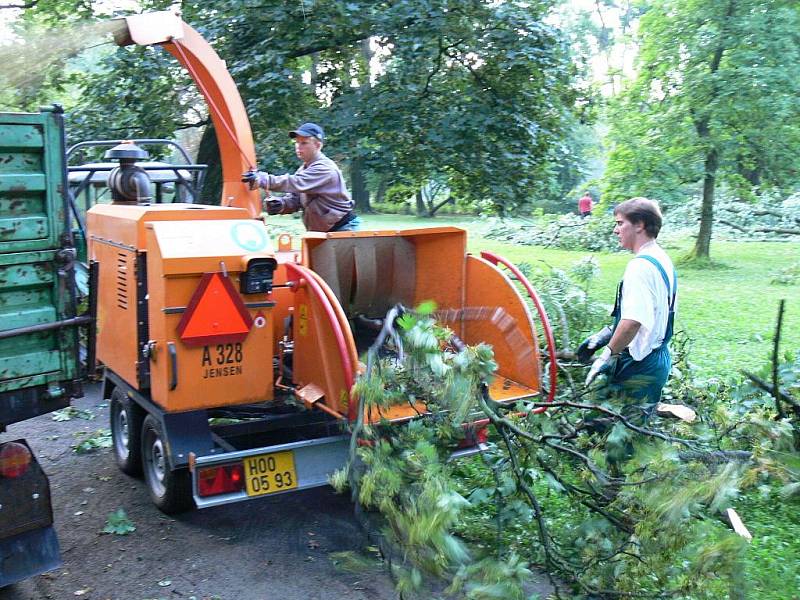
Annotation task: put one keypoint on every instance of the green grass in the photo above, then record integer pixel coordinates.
(729, 311)
(773, 558)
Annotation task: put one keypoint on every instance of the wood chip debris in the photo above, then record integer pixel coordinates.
(684, 413)
(738, 525)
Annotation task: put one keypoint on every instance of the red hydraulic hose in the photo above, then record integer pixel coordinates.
(304, 275)
(548, 331)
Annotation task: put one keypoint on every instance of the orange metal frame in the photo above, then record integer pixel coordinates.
(548, 331)
(306, 277)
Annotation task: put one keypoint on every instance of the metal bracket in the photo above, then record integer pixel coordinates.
(310, 394)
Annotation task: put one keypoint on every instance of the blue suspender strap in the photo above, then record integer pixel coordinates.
(661, 270)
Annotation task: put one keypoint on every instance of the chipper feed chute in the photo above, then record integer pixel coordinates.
(347, 280)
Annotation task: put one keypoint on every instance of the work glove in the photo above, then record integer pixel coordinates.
(604, 364)
(255, 179)
(274, 206)
(590, 345)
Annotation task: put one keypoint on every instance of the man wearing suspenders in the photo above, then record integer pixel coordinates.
(636, 358)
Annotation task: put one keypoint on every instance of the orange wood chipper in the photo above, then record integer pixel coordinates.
(229, 359)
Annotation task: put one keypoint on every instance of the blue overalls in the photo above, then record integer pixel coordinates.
(642, 380)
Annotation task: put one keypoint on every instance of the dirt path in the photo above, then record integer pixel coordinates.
(274, 548)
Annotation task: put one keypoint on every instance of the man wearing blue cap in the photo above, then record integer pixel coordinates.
(317, 188)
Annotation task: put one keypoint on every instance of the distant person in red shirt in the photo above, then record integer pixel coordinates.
(585, 205)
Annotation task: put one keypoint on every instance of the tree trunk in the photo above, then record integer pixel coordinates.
(314, 69)
(751, 175)
(427, 196)
(383, 185)
(358, 180)
(703, 244)
(366, 54)
(435, 208)
(702, 125)
(208, 154)
(421, 209)
(359, 186)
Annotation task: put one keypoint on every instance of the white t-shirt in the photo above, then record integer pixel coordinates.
(645, 299)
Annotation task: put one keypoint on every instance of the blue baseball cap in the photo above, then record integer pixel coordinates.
(308, 130)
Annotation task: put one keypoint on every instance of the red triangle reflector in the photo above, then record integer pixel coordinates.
(215, 315)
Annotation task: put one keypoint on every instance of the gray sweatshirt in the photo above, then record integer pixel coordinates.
(318, 189)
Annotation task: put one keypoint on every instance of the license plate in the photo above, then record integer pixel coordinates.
(269, 473)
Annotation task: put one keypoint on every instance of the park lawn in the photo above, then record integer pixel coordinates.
(729, 311)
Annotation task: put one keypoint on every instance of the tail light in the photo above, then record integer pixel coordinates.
(475, 433)
(15, 458)
(213, 481)
(482, 435)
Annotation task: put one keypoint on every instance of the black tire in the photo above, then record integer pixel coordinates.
(170, 490)
(126, 432)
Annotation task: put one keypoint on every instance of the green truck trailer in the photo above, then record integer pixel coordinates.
(40, 370)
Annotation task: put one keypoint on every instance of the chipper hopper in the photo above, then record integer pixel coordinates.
(230, 359)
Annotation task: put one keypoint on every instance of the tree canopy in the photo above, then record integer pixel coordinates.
(715, 99)
(477, 94)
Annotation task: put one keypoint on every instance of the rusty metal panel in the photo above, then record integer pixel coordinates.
(38, 358)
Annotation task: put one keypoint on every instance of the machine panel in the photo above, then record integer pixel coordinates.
(211, 344)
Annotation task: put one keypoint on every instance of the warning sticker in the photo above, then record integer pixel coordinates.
(216, 313)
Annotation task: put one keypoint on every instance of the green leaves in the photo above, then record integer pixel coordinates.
(405, 472)
(93, 441)
(118, 523)
(476, 95)
(67, 414)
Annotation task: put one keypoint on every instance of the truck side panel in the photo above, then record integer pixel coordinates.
(38, 360)
(39, 368)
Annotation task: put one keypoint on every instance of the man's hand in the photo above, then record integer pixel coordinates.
(590, 345)
(274, 206)
(604, 364)
(255, 179)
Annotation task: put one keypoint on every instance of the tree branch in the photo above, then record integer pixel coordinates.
(616, 415)
(435, 70)
(782, 230)
(335, 43)
(775, 350)
(760, 383)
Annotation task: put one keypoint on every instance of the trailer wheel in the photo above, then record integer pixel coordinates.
(126, 432)
(170, 490)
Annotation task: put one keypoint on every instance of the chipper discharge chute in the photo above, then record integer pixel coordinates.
(229, 362)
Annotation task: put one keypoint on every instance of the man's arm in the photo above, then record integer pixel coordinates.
(623, 335)
(308, 180)
(291, 203)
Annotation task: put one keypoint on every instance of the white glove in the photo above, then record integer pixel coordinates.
(256, 179)
(592, 343)
(603, 364)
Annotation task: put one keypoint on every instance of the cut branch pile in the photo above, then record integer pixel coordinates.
(606, 502)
